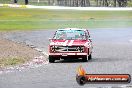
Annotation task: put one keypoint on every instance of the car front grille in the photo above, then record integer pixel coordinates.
(67, 48)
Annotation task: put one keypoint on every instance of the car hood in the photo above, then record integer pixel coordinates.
(69, 42)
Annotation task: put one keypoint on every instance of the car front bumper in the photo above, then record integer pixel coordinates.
(66, 54)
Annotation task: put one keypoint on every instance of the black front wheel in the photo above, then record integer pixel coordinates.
(51, 59)
(85, 58)
(90, 57)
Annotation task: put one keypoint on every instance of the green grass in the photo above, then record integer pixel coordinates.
(32, 19)
(12, 61)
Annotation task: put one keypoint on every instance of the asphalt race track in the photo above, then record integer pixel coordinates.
(112, 54)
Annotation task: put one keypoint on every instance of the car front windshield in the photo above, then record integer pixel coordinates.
(70, 34)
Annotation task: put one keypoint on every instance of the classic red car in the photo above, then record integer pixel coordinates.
(72, 43)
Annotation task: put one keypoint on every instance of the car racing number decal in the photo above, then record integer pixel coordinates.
(63, 43)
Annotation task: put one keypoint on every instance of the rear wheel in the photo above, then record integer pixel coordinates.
(51, 59)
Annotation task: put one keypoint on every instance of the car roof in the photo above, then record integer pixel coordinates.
(65, 29)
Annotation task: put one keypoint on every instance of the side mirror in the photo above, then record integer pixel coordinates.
(50, 39)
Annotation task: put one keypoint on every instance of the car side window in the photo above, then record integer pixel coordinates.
(87, 35)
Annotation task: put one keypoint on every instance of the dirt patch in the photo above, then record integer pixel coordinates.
(12, 53)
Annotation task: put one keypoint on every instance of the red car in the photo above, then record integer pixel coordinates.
(72, 43)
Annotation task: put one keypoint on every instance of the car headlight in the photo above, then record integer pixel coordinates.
(81, 48)
(53, 48)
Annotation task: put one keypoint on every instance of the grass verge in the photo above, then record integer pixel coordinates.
(12, 61)
(12, 53)
(32, 19)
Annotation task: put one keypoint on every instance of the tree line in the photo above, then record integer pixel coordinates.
(26, 1)
(86, 3)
